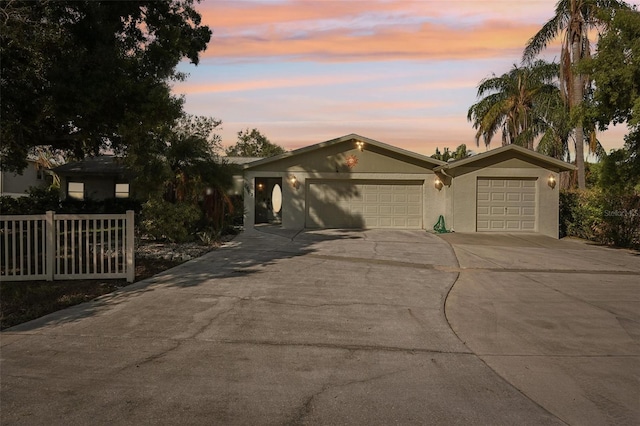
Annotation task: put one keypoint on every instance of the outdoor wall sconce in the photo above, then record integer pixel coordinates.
(293, 181)
(438, 183)
(360, 146)
(551, 181)
(260, 186)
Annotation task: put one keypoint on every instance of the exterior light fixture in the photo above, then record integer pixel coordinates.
(438, 183)
(360, 145)
(293, 181)
(260, 186)
(551, 181)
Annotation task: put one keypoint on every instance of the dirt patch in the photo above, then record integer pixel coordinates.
(26, 300)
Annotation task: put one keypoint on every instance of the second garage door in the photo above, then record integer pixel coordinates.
(364, 204)
(506, 205)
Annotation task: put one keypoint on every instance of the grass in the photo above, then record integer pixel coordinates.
(26, 300)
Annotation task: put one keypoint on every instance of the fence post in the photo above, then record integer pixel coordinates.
(50, 248)
(131, 266)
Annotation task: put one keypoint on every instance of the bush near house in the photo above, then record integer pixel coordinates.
(41, 200)
(605, 217)
(164, 220)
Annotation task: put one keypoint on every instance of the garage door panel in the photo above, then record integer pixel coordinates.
(369, 205)
(496, 225)
(496, 210)
(414, 210)
(513, 225)
(506, 204)
(514, 197)
(400, 210)
(528, 225)
(371, 210)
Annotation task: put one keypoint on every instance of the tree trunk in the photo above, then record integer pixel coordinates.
(577, 94)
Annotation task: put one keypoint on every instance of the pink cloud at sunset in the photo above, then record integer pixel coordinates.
(402, 72)
(429, 41)
(273, 83)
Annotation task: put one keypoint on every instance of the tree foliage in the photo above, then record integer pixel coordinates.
(253, 144)
(82, 76)
(446, 155)
(616, 73)
(188, 172)
(573, 19)
(514, 104)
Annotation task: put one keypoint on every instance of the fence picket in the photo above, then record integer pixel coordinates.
(37, 247)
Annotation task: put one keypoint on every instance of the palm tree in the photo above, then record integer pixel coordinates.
(510, 104)
(575, 18)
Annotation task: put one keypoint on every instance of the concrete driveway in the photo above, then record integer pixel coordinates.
(560, 320)
(328, 327)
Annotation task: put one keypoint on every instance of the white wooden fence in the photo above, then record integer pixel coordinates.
(66, 246)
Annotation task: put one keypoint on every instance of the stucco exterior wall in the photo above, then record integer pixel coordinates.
(456, 199)
(294, 197)
(461, 196)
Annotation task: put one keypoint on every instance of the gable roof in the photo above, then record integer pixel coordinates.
(515, 151)
(240, 160)
(105, 165)
(346, 138)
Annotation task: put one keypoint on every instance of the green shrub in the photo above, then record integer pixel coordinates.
(580, 214)
(37, 201)
(164, 220)
(606, 218)
(621, 220)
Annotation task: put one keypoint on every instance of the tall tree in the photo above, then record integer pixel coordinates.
(573, 18)
(88, 75)
(615, 70)
(510, 104)
(253, 144)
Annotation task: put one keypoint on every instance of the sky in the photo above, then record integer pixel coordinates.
(400, 72)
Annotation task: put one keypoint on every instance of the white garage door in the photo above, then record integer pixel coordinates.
(364, 204)
(506, 205)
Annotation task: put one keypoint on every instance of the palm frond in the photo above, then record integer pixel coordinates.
(542, 38)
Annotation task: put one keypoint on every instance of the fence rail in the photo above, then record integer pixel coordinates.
(66, 246)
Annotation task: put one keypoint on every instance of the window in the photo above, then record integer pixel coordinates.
(75, 190)
(122, 190)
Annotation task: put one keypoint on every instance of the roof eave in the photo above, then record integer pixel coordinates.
(346, 138)
(559, 164)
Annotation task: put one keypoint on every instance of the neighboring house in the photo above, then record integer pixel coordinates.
(357, 182)
(97, 178)
(16, 185)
